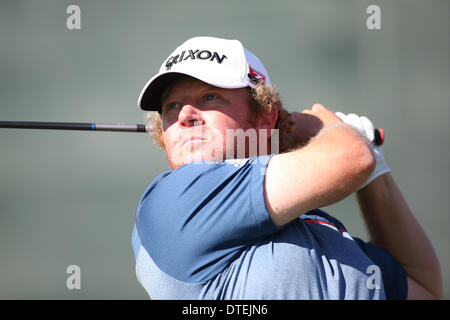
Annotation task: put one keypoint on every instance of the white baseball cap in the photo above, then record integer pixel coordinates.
(220, 62)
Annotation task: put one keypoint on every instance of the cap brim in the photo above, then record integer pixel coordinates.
(150, 98)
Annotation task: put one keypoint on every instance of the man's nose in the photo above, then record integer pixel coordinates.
(190, 116)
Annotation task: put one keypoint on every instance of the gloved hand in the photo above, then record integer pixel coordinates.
(365, 126)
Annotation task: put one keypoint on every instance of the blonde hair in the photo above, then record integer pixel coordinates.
(263, 99)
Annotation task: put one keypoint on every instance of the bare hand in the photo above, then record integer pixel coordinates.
(297, 128)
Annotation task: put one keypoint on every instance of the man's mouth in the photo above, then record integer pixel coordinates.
(192, 139)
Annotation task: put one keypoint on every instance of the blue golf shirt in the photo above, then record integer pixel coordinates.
(203, 232)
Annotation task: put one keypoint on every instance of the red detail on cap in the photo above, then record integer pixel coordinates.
(256, 74)
(381, 136)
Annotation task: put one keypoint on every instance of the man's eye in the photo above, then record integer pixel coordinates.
(211, 97)
(172, 106)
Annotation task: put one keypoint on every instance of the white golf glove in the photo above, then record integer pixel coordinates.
(365, 126)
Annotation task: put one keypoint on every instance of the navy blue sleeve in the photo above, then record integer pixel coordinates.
(393, 274)
(195, 220)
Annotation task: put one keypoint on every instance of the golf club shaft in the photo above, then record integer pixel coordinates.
(73, 126)
(91, 126)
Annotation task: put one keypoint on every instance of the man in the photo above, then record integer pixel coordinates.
(235, 220)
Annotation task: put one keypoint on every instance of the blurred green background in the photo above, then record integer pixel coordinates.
(69, 198)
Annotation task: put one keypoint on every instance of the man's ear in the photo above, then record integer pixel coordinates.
(268, 120)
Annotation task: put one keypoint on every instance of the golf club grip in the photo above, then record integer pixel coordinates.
(379, 137)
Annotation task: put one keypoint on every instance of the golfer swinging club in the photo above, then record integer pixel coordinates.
(233, 222)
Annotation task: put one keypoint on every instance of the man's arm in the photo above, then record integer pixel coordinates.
(333, 165)
(393, 227)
